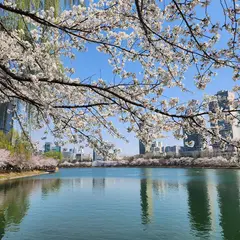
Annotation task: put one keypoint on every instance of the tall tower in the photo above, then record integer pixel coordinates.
(47, 147)
(142, 149)
(97, 157)
(196, 139)
(225, 101)
(6, 121)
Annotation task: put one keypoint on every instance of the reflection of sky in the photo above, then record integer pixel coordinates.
(142, 204)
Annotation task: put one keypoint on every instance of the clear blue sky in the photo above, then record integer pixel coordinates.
(94, 63)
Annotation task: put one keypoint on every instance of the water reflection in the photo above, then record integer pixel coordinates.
(160, 187)
(14, 203)
(228, 196)
(98, 184)
(14, 200)
(199, 211)
(50, 185)
(212, 199)
(205, 203)
(146, 196)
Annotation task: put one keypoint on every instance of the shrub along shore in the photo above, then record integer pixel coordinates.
(184, 162)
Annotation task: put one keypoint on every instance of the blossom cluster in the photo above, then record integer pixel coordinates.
(35, 163)
(148, 33)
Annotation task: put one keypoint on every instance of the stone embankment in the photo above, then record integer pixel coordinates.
(184, 162)
(22, 174)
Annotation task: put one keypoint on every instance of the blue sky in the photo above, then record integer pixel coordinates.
(94, 63)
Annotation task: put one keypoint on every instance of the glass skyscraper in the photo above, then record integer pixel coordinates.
(142, 149)
(225, 101)
(6, 117)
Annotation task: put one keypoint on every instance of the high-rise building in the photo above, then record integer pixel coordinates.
(47, 147)
(56, 149)
(156, 147)
(6, 121)
(172, 149)
(225, 101)
(79, 157)
(68, 156)
(193, 142)
(97, 157)
(142, 149)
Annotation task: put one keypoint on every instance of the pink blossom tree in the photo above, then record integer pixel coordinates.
(166, 38)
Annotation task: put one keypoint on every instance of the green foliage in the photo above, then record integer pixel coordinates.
(16, 143)
(55, 155)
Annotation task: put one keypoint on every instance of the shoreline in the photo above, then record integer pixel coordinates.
(186, 162)
(25, 174)
(17, 175)
(152, 166)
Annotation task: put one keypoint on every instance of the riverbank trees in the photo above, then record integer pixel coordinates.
(16, 154)
(165, 38)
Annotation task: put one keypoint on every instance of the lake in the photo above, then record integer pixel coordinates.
(122, 203)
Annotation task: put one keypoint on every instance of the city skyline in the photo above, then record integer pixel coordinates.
(6, 124)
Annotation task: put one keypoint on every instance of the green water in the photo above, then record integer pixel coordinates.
(122, 203)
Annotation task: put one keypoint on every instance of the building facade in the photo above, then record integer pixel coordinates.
(142, 148)
(56, 149)
(193, 142)
(47, 147)
(97, 157)
(6, 117)
(225, 101)
(172, 150)
(156, 147)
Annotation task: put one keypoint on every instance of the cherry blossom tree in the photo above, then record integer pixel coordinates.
(166, 38)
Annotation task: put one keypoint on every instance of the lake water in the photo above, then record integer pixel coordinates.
(122, 203)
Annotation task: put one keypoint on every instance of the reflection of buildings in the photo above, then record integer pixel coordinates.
(212, 199)
(199, 212)
(228, 197)
(160, 187)
(146, 196)
(98, 183)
